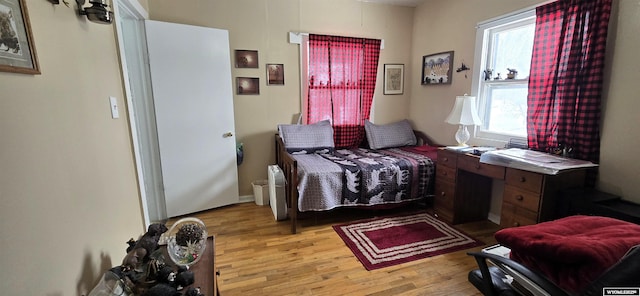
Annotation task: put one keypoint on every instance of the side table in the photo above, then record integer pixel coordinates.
(205, 270)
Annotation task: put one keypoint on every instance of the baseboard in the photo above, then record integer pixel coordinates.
(246, 198)
(494, 218)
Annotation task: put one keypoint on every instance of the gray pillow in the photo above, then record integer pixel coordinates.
(390, 135)
(306, 139)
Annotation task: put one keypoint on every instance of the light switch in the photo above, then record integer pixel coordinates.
(114, 107)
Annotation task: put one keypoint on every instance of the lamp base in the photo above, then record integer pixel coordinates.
(462, 135)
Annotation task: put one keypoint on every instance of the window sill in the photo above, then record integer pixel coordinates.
(493, 139)
(505, 81)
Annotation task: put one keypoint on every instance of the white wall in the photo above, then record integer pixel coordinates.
(619, 159)
(67, 181)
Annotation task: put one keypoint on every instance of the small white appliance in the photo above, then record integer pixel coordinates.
(276, 192)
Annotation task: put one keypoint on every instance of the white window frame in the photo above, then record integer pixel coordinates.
(479, 86)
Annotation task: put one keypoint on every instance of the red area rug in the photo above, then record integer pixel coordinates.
(387, 241)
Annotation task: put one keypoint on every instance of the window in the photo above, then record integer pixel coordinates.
(339, 80)
(504, 46)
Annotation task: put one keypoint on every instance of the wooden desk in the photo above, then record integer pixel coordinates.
(463, 190)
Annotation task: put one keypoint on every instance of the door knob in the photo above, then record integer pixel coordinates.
(226, 135)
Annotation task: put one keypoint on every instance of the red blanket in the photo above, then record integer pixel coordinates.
(426, 150)
(572, 251)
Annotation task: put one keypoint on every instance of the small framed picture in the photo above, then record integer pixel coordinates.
(17, 51)
(393, 79)
(246, 58)
(436, 68)
(248, 85)
(275, 74)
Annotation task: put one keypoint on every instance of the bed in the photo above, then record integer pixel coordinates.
(394, 165)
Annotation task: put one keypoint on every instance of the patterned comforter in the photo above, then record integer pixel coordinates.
(362, 177)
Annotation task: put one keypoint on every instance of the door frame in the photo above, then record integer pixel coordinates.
(149, 183)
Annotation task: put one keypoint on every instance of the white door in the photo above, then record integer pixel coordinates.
(192, 91)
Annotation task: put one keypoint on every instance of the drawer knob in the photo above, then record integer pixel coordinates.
(519, 197)
(445, 159)
(442, 193)
(477, 166)
(523, 179)
(516, 224)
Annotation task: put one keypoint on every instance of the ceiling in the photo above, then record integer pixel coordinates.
(411, 3)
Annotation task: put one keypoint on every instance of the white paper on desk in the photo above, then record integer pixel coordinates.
(534, 161)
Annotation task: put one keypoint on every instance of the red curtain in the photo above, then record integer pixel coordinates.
(342, 79)
(565, 84)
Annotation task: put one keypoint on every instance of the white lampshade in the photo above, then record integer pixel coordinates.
(464, 111)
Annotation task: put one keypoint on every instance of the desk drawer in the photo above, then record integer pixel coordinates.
(513, 216)
(443, 200)
(445, 215)
(444, 194)
(472, 164)
(447, 158)
(446, 173)
(521, 198)
(525, 180)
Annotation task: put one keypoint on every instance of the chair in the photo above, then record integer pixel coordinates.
(508, 277)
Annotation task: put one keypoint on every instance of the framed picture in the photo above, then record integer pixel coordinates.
(275, 74)
(393, 79)
(246, 58)
(17, 52)
(436, 68)
(248, 85)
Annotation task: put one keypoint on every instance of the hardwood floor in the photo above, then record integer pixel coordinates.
(257, 255)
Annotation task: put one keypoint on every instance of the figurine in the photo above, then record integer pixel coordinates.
(169, 283)
(487, 74)
(512, 73)
(138, 252)
(144, 272)
(191, 291)
(463, 67)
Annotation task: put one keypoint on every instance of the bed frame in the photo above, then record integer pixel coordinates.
(289, 167)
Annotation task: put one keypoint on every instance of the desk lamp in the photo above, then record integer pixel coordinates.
(464, 113)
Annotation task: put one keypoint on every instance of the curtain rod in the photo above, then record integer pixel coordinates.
(296, 38)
